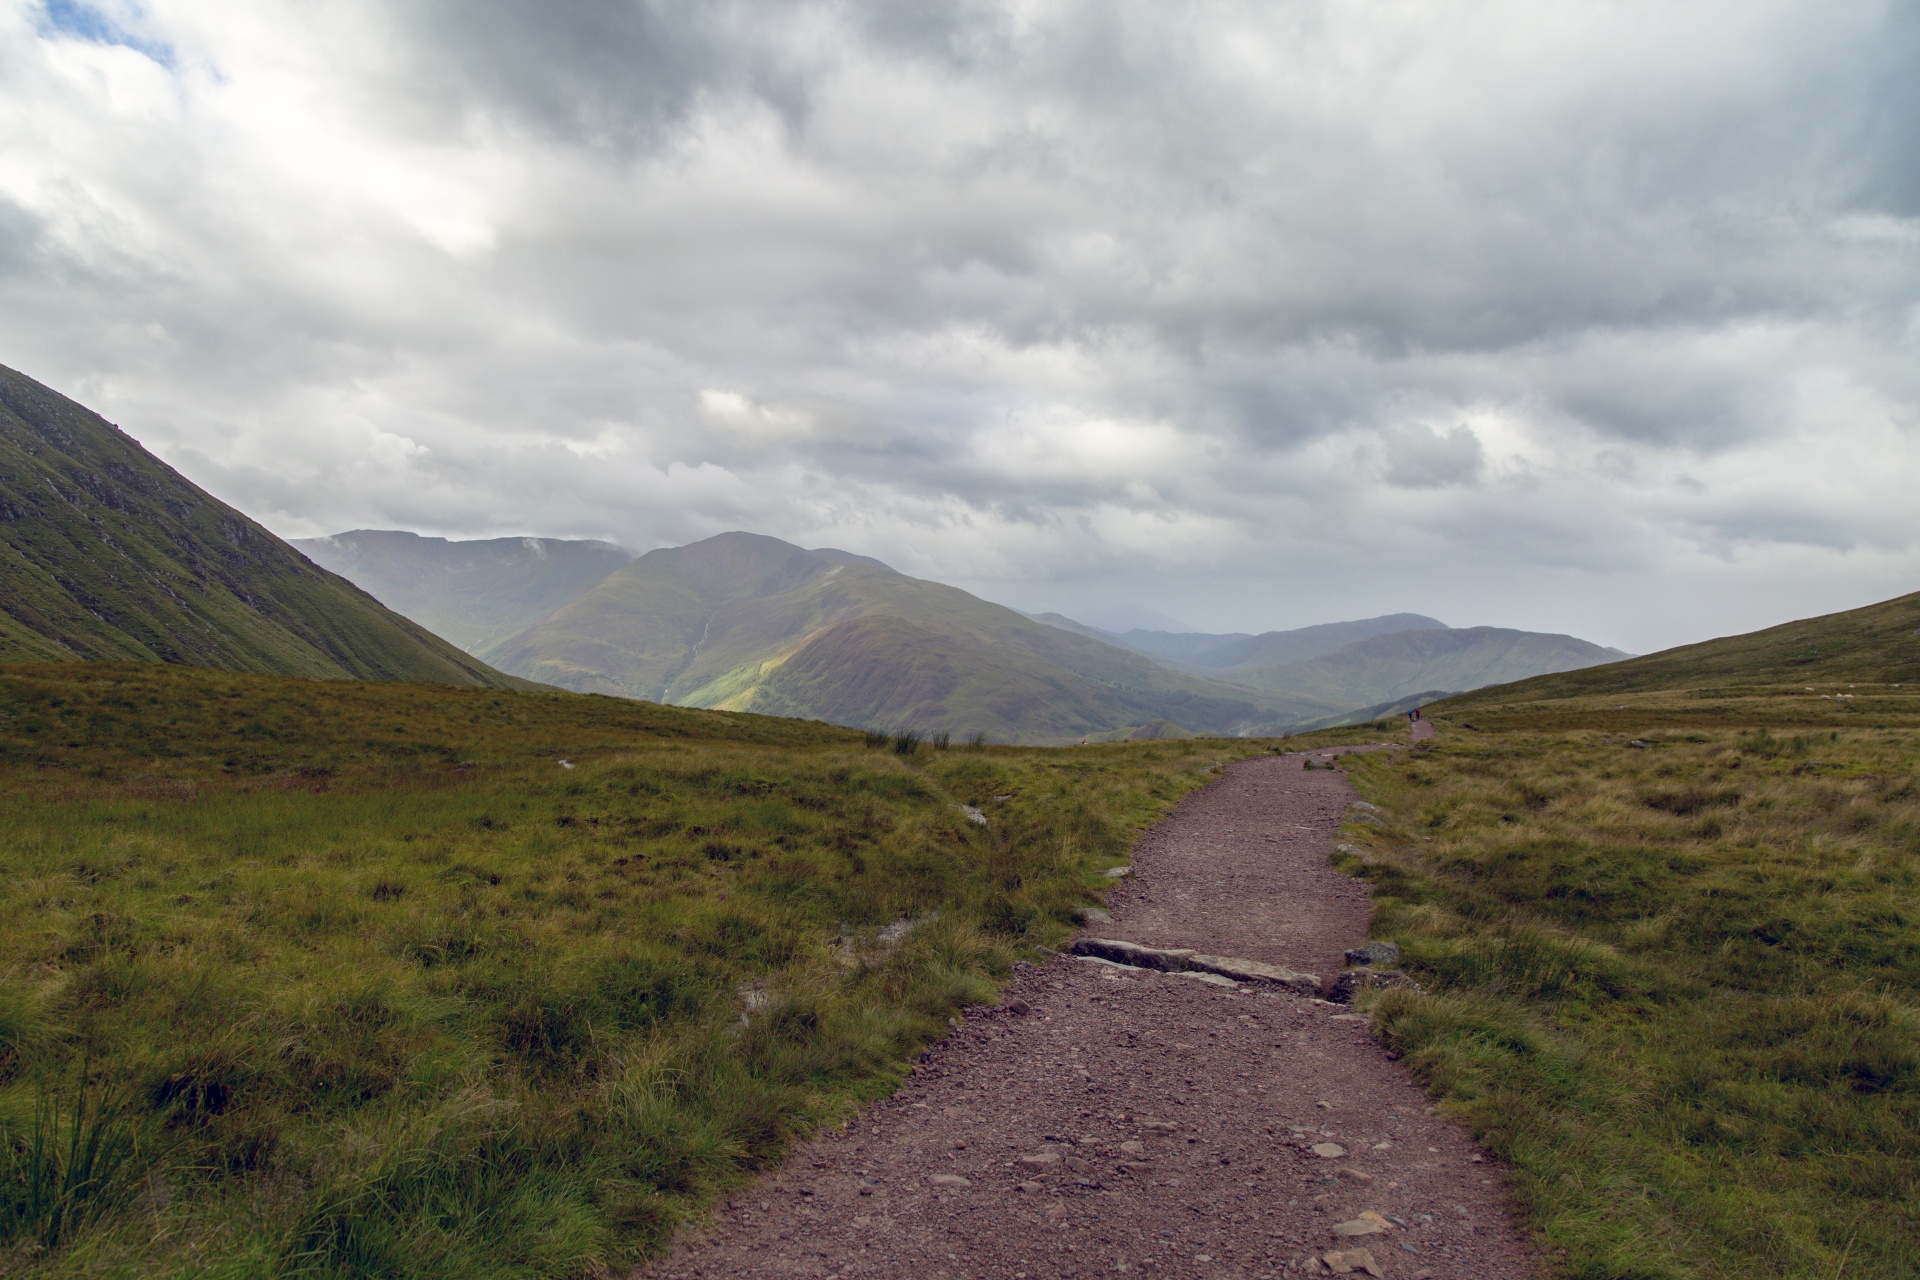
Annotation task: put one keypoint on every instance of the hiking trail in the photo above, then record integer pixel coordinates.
(1117, 1121)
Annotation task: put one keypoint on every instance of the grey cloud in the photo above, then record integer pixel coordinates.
(1026, 293)
(1419, 457)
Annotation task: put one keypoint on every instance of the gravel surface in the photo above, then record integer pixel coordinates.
(1240, 869)
(1106, 1121)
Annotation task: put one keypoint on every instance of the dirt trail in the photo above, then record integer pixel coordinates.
(1105, 1121)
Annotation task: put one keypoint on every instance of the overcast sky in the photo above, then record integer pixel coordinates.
(1588, 317)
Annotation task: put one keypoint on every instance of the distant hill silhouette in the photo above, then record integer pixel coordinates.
(473, 593)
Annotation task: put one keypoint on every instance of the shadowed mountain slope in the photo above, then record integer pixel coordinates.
(1877, 644)
(473, 593)
(106, 553)
(749, 623)
(1390, 667)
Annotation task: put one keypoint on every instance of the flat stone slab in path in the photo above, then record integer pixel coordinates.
(1136, 1123)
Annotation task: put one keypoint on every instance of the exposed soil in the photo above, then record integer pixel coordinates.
(1240, 869)
(1109, 1121)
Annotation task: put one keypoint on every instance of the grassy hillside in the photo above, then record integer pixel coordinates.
(108, 554)
(1386, 668)
(1664, 913)
(352, 979)
(751, 623)
(473, 593)
(1879, 644)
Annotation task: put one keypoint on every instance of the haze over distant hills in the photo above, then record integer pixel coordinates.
(1364, 664)
(106, 553)
(1213, 653)
(473, 593)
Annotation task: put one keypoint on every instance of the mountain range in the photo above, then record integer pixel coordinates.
(749, 623)
(110, 554)
(106, 553)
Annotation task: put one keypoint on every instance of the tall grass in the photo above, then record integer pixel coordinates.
(367, 983)
(65, 1169)
(1677, 984)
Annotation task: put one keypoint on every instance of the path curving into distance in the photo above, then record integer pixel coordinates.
(1114, 1121)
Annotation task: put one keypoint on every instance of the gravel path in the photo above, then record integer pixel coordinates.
(1105, 1121)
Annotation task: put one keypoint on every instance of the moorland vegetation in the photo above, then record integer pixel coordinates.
(349, 979)
(1667, 918)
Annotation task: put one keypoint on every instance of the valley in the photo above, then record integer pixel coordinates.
(749, 623)
(332, 949)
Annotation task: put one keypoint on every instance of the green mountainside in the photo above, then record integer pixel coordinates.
(1879, 644)
(473, 593)
(1391, 667)
(106, 553)
(749, 623)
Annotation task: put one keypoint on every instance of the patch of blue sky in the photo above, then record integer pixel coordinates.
(82, 20)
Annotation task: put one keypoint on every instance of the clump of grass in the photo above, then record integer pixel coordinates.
(906, 742)
(1678, 986)
(66, 1169)
(394, 993)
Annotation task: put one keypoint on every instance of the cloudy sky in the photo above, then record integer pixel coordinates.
(1587, 317)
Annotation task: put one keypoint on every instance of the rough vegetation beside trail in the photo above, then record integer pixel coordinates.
(352, 979)
(1672, 972)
